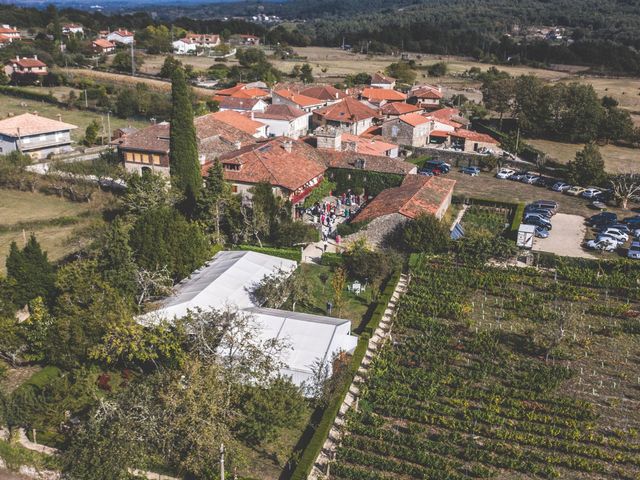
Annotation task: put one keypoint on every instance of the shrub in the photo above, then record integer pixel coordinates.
(288, 253)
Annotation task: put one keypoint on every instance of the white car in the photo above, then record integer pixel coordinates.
(505, 173)
(530, 179)
(614, 233)
(634, 251)
(560, 187)
(591, 192)
(605, 244)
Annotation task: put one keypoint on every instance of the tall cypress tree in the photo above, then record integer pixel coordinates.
(184, 165)
(33, 274)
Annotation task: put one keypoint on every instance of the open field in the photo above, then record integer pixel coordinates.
(123, 80)
(339, 63)
(617, 159)
(56, 222)
(81, 118)
(478, 384)
(153, 63)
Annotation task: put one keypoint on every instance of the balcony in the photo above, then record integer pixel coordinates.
(40, 144)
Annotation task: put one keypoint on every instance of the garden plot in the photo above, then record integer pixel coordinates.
(504, 373)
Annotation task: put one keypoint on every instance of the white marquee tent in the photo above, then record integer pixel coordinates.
(228, 279)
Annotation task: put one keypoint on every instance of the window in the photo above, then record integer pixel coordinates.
(234, 188)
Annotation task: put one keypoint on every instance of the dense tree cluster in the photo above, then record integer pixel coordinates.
(564, 111)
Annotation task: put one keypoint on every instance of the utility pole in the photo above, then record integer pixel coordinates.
(133, 63)
(109, 124)
(86, 100)
(222, 461)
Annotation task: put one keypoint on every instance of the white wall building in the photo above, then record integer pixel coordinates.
(284, 121)
(184, 46)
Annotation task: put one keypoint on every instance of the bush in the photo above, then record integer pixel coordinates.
(518, 213)
(426, 234)
(28, 94)
(332, 260)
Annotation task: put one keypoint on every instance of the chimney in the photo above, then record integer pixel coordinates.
(252, 114)
(337, 95)
(238, 145)
(59, 117)
(287, 145)
(35, 57)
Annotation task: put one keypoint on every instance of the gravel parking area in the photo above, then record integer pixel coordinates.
(566, 237)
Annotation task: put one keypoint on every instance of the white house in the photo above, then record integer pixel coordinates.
(34, 135)
(123, 37)
(185, 46)
(284, 121)
(72, 29)
(378, 80)
(228, 280)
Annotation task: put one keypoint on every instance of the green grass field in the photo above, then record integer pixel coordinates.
(56, 222)
(80, 118)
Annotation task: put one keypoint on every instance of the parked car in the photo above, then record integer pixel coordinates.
(539, 211)
(473, 171)
(614, 233)
(634, 250)
(620, 226)
(541, 232)
(537, 220)
(632, 221)
(530, 178)
(546, 204)
(544, 182)
(560, 187)
(591, 192)
(505, 173)
(425, 172)
(603, 218)
(575, 191)
(605, 244)
(518, 176)
(440, 165)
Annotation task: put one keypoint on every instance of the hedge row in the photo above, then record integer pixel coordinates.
(332, 260)
(518, 213)
(28, 94)
(294, 254)
(311, 452)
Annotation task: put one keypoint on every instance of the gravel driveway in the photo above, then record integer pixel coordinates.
(566, 237)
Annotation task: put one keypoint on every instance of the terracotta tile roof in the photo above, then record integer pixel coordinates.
(250, 93)
(372, 131)
(154, 138)
(323, 92)
(413, 119)
(444, 121)
(238, 121)
(123, 33)
(209, 125)
(349, 110)
(439, 133)
(373, 163)
(103, 43)
(30, 124)
(398, 108)
(379, 78)
(28, 62)
(271, 162)
(281, 112)
(236, 103)
(214, 137)
(8, 30)
(367, 146)
(202, 38)
(445, 113)
(379, 94)
(231, 90)
(473, 136)
(4, 39)
(298, 99)
(418, 194)
(430, 93)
